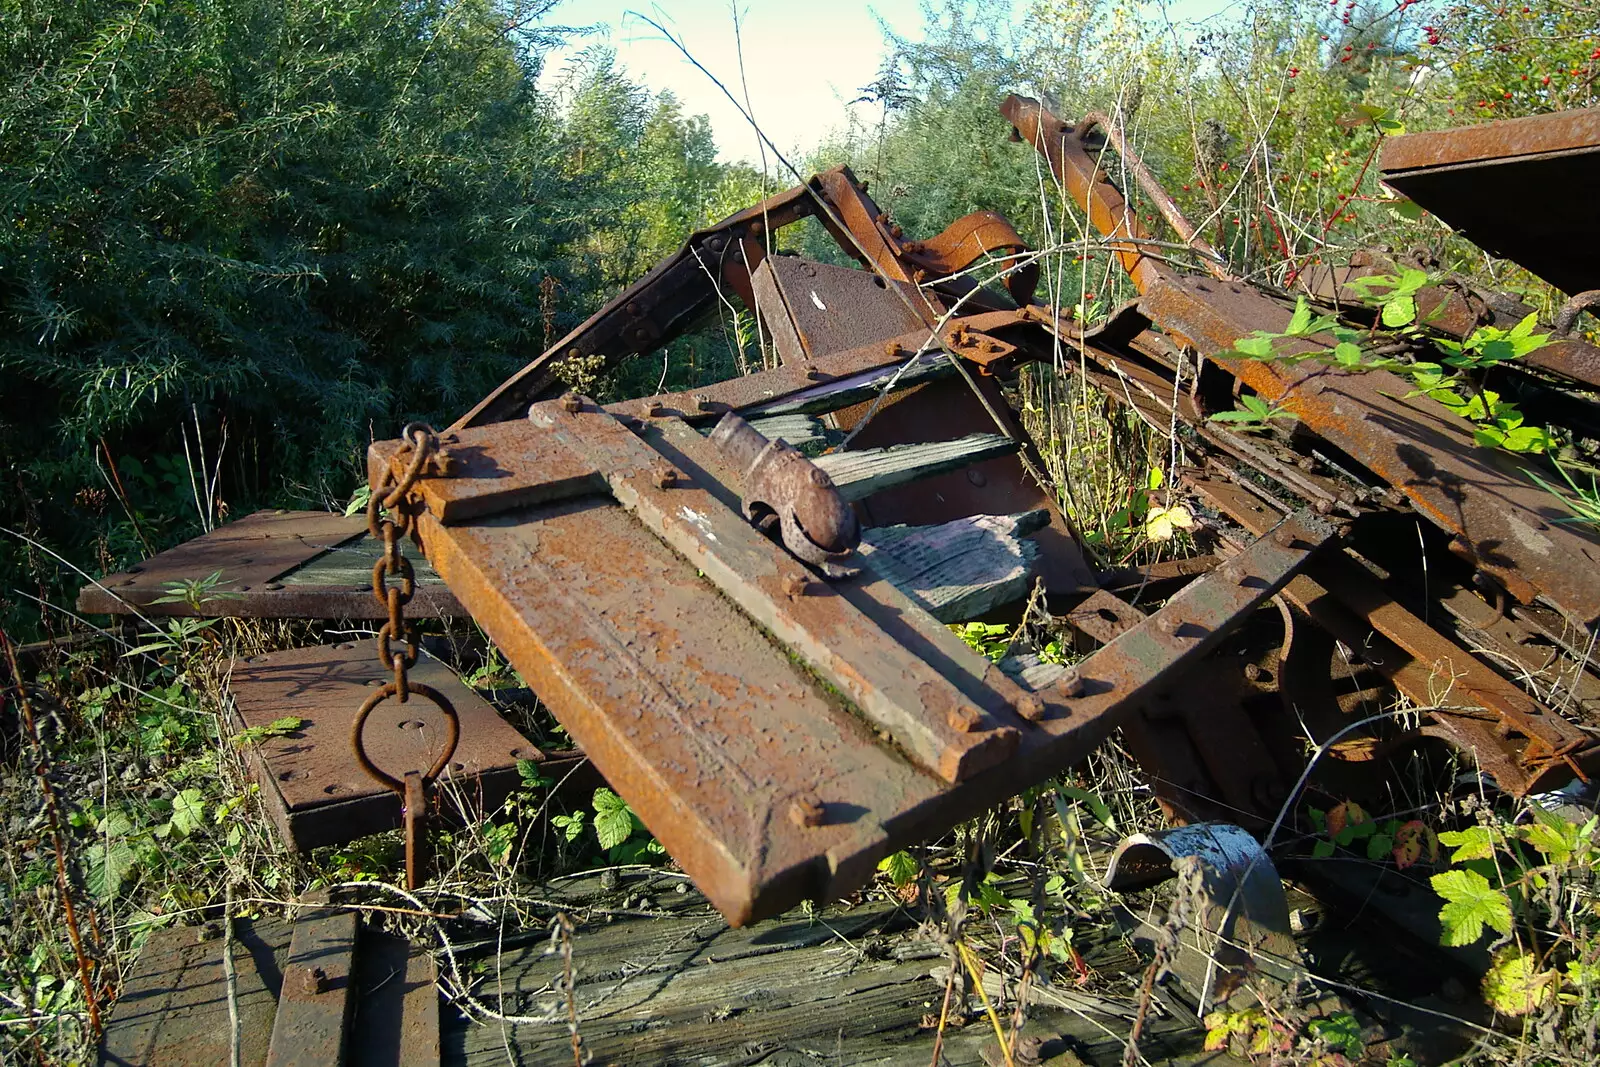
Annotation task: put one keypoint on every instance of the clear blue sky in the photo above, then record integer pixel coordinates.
(804, 60)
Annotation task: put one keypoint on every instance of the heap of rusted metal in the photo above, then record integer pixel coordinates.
(735, 632)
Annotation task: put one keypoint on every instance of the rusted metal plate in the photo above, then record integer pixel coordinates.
(275, 565)
(1514, 529)
(765, 784)
(1481, 179)
(826, 309)
(316, 997)
(316, 791)
(173, 1009)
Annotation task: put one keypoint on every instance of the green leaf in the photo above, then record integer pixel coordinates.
(1257, 347)
(1406, 209)
(1156, 479)
(1256, 406)
(1473, 843)
(1399, 311)
(1341, 1032)
(1471, 904)
(1379, 846)
(110, 863)
(1514, 985)
(613, 821)
(188, 812)
(1097, 807)
(1347, 354)
(532, 774)
(1322, 849)
(1301, 318)
(901, 867)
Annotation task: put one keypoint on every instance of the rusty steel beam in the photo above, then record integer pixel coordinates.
(1482, 180)
(670, 645)
(1524, 746)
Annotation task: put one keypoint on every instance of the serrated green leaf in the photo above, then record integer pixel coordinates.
(1406, 209)
(1347, 354)
(613, 821)
(110, 863)
(1473, 843)
(1379, 846)
(1255, 347)
(901, 867)
(188, 812)
(1256, 406)
(1471, 903)
(1399, 311)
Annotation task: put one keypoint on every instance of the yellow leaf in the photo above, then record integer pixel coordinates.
(1514, 985)
(1160, 524)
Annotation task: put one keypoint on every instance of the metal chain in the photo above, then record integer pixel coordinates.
(391, 515)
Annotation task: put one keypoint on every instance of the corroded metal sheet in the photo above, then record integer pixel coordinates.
(671, 647)
(316, 791)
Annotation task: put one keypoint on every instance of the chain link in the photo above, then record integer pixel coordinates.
(392, 515)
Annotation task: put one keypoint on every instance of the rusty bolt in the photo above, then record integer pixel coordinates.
(1323, 506)
(965, 717)
(633, 309)
(796, 585)
(807, 810)
(313, 980)
(571, 404)
(655, 410)
(1030, 707)
(444, 464)
(1284, 537)
(812, 373)
(820, 479)
(705, 403)
(1168, 623)
(666, 478)
(896, 232)
(1070, 684)
(1306, 463)
(1252, 672)
(893, 350)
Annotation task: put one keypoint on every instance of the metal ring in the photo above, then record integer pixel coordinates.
(427, 692)
(426, 439)
(386, 651)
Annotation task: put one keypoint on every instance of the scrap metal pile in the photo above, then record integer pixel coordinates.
(736, 600)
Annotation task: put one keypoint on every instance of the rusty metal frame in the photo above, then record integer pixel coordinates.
(668, 636)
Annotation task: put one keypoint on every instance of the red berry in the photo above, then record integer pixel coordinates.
(1294, 71)
(1223, 166)
(1507, 96)
(1545, 80)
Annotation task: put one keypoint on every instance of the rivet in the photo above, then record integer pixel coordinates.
(1284, 537)
(1252, 672)
(1070, 684)
(796, 585)
(893, 350)
(813, 374)
(705, 403)
(633, 309)
(313, 980)
(1030, 707)
(820, 479)
(1169, 624)
(807, 811)
(274, 586)
(666, 478)
(655, 410)
(964, 717)
(571, 404)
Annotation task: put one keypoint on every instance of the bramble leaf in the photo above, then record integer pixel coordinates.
(1514, 985)
(1470, 904)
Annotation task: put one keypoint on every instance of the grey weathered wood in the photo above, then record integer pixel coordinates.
(1031, 671)
(804, 432)
(351, 564)
(961, 569)
(871, 470)
(841, 987)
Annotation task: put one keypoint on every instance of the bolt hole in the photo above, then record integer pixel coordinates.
(411, 724)
(879, 282)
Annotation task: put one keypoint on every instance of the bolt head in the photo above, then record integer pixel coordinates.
(965, 717)
(705, 403)
(807, 811)
(655, 411)
(1168, 624)
(666, 478)
(571, 404)
(796, 585)
(1030, 707)
(1070, 684)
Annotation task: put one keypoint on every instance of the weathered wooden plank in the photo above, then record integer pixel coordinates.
(860, 474)
(351, 564)
(805, 432)
(842, 986)
(958, 570)
(1031, 671)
